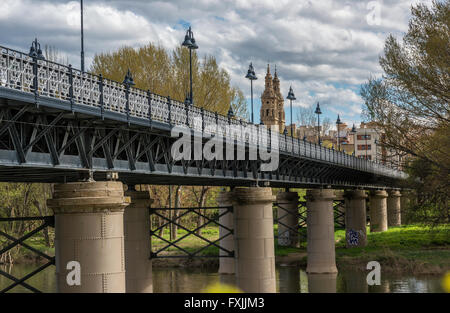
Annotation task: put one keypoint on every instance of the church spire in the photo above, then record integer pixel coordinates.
(268, 91)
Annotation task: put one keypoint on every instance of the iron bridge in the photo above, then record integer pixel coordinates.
(57, 124)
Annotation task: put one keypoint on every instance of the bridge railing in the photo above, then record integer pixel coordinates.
(49, 79)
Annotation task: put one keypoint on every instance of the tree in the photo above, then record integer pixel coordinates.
(167, 74)
(410, 102)
(306, 116)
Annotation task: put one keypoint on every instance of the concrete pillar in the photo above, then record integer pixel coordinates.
(287, 219)
(138, 265)
(254, 242)
(393, 208)
(405, 203)
(226, 265)
(320, 248)
(89, 230)
(322, 283)
(378, 210)
(355, 218)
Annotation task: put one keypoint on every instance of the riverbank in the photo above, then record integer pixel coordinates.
(407, 249)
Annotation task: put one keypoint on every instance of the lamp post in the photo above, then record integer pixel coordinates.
(365, 138)
(82, 37)
(353, 131)
(252, 76)
(36, 51)
(318, 112)
(376, 150)
(291, 97)
(230, 113)
(338, 122)
(189, 42)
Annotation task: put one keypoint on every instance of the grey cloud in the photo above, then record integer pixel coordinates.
(315, 44)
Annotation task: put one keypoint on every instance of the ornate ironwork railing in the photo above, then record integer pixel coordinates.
(47, 221)
(162, 249)
(48, 79)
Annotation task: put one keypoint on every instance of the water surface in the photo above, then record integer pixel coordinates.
(289, 279)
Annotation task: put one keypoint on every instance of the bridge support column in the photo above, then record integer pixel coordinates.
(254, 242)
(138, 266)
(355, 218)
(287, 219)
(320, 221)
(89, 230)
(393, 208)
(378, 210)
(226, 265)
(405, 203)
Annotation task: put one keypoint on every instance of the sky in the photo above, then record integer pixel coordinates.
(324, 49)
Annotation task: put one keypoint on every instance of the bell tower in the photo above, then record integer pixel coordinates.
(279, 101)
(272, 102)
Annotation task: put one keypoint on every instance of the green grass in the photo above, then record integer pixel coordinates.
(411, 246)
(191, 243)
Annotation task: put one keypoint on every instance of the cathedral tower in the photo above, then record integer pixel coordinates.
(272, 102)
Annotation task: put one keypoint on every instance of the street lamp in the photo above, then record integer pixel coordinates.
(35, 50)
(252, 76)
(189, 42)
(291, 97)
(318, 112)
(376, 150)
(230, 113)
(365, 137)
(353, 131)
(82, 37)
(338, 122)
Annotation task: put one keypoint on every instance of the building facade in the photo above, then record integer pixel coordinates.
(365, 141)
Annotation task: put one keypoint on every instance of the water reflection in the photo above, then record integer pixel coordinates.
(44, 281)
(322, 283)
(289, 279)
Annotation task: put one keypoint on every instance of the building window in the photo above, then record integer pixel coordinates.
(364, 147)
(364, 137)
(267, 112)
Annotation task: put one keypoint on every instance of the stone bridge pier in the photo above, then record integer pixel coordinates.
(355, 218)
(320, 231)
(287, 215)
(254, 239)
(394, 208)
(89, 232)
(226, 265)
(138, 266)
(378, 210)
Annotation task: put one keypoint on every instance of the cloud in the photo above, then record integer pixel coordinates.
(324, 49)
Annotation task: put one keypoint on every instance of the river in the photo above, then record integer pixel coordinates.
(289, 279)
